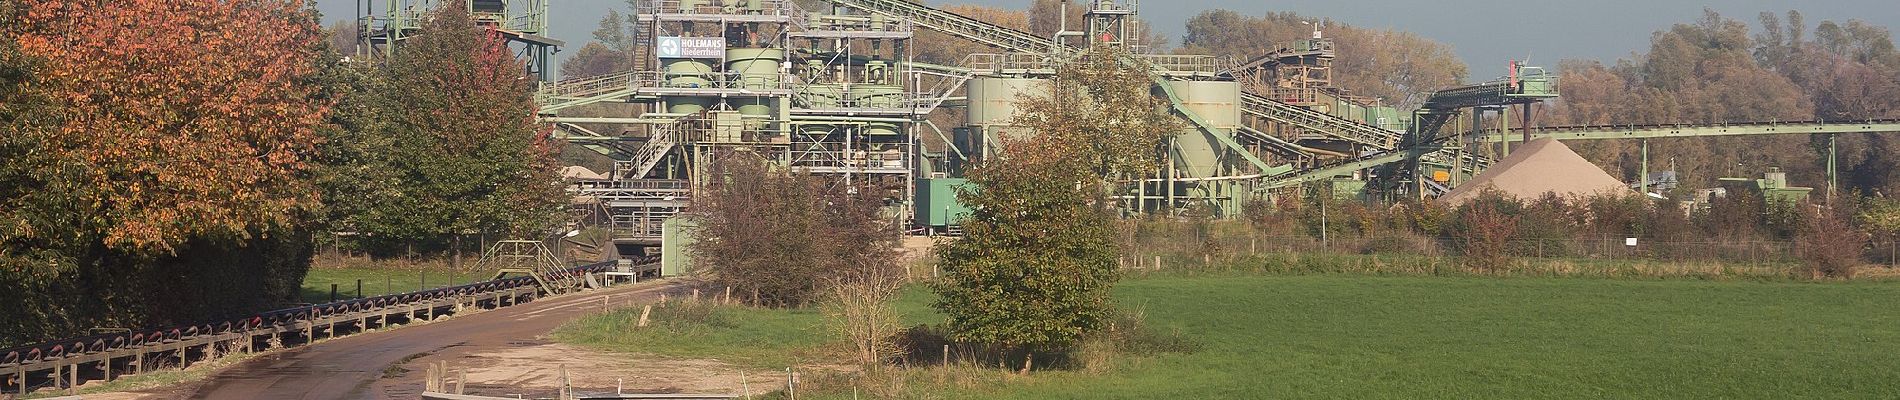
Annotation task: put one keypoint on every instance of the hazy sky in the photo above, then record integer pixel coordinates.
(1485, 33)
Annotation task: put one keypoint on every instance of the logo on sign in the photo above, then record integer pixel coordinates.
(669, 47)
(690, 47)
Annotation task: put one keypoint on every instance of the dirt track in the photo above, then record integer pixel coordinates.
(354, 367)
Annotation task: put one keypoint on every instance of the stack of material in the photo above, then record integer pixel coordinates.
(580, 172)
(1541, 166)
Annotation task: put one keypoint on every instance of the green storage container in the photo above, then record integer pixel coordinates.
(676, 242)
(937, 204)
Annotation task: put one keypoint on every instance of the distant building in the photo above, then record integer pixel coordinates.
(1773, 186)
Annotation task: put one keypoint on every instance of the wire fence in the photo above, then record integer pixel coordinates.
(1737, 252)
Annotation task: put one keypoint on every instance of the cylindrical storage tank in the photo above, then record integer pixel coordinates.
(888, 155)
(881, 129)
(993, 100)
(687, 73)
(815, 131)
(824, 95)
(1197, 154)
(757, 68)
(1216, 102)
(752, 106)
(687, 104)
(878, 96)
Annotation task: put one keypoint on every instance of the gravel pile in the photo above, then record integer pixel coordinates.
(1541, 166)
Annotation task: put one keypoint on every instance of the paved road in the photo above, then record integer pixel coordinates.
(346, 368)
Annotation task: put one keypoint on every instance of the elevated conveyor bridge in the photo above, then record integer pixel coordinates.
(1604, 132)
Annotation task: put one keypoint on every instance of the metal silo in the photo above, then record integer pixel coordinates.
(1197, 155)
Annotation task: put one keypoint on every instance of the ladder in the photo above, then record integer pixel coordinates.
(643, 40)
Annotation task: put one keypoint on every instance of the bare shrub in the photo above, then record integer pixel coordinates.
(1485, 228)
(860, 308)
(783, 237)
(1829, 246)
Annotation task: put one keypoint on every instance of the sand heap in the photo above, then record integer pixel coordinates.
(580, 172)
(1540, 166)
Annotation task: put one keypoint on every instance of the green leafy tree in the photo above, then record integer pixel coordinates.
(1032, 273)
(464, 154)
(612, 49)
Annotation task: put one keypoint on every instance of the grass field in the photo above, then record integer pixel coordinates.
(1340, 336)
(379, 280)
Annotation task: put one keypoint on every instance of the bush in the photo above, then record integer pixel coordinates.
(781, 238)
(1485, 228)
(1828, 245)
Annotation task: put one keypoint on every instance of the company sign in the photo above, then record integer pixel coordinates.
(691, 47)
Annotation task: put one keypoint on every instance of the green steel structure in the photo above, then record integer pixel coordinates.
(830, 92)
(825, 90)
(834, 91)
(381, 26)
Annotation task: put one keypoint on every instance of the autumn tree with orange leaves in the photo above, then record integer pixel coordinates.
(142, 137)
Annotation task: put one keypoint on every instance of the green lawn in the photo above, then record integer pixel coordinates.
(1339, 336)
(1351, 337)
(379, 281)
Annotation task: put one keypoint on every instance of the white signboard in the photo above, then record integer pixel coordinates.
(691, 47)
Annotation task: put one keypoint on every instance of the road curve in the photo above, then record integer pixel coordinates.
(346, 368)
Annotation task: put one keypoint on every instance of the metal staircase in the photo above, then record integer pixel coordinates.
(662, 141)
(528, 257)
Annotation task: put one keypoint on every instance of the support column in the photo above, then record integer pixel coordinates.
(1833, 175)
(1458, 161)
(1526, 122)
(1504, 125)
(1642, 183)
(1169, 207)
(1477, 129)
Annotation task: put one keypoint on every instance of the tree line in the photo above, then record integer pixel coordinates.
(1719, 70)
(165, 162)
